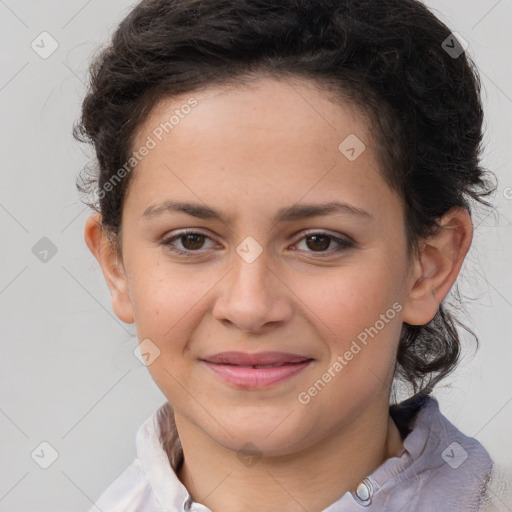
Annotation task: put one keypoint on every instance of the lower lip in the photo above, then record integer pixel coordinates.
(255, 378)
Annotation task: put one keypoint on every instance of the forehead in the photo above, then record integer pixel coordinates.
(295, 108)
(279, 139)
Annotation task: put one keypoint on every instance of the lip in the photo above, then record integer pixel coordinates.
(256, 358)
(237, 368)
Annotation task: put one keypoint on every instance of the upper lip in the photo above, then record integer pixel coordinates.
(259, 358)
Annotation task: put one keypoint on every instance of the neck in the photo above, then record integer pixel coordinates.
(311, 479)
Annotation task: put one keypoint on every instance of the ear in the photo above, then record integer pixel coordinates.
(437, 266)
(113, 270)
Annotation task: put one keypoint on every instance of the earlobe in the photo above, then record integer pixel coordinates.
(113, 271)
(437, 266)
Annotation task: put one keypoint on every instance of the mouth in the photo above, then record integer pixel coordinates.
(256, 371)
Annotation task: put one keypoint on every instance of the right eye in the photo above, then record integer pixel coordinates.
(190, 240)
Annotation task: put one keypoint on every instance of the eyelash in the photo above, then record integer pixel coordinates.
(345, 244)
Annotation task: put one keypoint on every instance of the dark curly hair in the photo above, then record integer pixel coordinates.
(392, 58)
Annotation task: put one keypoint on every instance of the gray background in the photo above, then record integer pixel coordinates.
(68, 375)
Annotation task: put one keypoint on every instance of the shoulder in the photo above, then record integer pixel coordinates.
(429, 433)
(150, 481)
(129, 492)
(449, 469)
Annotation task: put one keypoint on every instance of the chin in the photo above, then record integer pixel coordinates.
(264, 436)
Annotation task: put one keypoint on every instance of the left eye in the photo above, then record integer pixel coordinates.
(192, 241)
(322, 240)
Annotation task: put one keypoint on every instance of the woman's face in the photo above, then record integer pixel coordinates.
(262, 273)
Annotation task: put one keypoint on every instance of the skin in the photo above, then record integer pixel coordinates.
(248, 152)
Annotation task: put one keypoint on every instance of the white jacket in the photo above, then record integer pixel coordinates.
(439, 470)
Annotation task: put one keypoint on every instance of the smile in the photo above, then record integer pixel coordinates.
(256, 371)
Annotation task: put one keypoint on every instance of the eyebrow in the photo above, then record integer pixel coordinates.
(287, 214)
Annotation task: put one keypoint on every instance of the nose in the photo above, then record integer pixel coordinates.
(252, 297)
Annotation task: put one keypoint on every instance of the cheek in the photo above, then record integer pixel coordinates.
(167, 311)
(358, 315)
(162, 295)
(360, 324)
(165, 314)
(348, 300)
